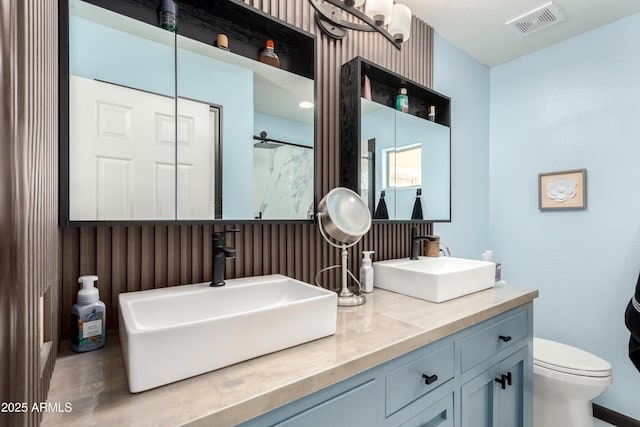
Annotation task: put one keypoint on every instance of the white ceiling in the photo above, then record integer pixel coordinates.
(478, 26)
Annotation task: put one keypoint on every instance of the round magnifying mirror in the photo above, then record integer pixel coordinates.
(344, 216)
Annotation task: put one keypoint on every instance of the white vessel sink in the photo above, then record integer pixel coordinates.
(434, 279)
(178, 332)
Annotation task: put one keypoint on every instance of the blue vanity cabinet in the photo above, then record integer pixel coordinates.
(512, 404)
(395, 393)
(353, 407)
(456, 381)
(353, 402)
(498, 396)
(496, 371)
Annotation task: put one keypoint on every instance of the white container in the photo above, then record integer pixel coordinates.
(366, 272)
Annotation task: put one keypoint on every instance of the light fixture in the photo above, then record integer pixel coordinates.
(377, 14)
(379, 10)
(343, 218)
(400, 26)
(305, 105)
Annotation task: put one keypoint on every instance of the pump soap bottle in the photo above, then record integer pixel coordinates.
(88, 317)
(366, 272)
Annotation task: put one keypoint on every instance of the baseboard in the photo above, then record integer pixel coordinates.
(613, 417)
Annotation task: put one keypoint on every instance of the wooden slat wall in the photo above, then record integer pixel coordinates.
(30, 239)
(136, 258)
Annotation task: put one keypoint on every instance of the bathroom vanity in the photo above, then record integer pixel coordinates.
(393, 361)
(477, 377)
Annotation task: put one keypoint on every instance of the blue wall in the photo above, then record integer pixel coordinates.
(466, 81)
(573, 105)
(206, 79)
(101, 56)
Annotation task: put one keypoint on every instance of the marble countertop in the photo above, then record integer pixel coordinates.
(94, 385)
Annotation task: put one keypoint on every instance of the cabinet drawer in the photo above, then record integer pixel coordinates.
(439, 414)
(407, 383)
(486, 342)
(347, 409)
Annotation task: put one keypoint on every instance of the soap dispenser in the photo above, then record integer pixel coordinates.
(366, 272)
(88, 317)
(486, 256)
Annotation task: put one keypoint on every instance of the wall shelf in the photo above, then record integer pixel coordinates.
(246, 27)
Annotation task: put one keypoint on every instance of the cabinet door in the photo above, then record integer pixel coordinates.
(498, 397)
(511, 401)
(440, 414)
(477, 400)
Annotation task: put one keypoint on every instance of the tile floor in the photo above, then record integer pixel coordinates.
(600, 423)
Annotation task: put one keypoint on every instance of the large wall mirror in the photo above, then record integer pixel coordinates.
(399, 162)
(165, 126)
(403, 157)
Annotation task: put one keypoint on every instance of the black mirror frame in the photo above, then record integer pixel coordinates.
(300, 58)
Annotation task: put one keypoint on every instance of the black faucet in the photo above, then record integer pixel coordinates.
(415, 239)
(219, 254)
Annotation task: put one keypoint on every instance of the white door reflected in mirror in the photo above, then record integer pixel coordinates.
(115, 146)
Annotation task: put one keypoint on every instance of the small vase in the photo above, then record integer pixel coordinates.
(366, 92)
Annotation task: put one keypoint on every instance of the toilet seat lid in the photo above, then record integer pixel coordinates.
(564, 358)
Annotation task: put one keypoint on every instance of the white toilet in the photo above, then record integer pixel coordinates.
(565, 380)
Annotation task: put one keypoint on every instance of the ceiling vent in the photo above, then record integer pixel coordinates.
(536, 20)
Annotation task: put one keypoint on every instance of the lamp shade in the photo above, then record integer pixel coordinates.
(379, 10)
(400, 26)
(358, 3)
(344, 216)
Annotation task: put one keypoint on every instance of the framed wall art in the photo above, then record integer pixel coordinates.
(562, 190)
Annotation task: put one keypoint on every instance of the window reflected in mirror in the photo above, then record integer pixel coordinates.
(403, 166)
